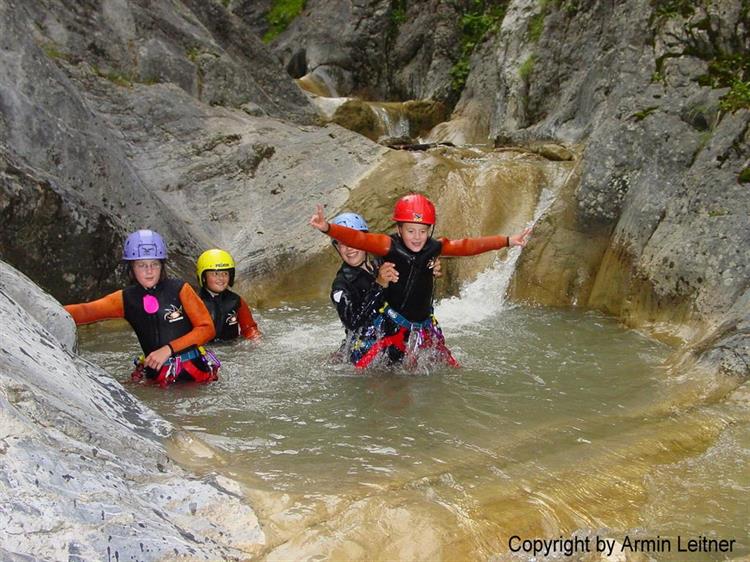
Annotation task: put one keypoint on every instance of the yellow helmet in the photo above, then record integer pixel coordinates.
(214, 260)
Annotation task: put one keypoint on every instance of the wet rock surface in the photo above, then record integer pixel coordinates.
(654, 219)
(84, 472)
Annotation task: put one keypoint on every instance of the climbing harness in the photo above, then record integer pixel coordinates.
(408, 339)
(185, 362)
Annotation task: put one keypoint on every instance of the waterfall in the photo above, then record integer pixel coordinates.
(485, 296)
(394, 121)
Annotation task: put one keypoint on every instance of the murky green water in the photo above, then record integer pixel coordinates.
(558, 423)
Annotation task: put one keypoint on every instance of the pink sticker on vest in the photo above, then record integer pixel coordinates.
(150, 304)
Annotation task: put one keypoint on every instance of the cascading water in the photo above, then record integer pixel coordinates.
(393, 121)
(473, 304)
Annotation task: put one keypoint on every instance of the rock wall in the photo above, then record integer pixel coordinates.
(654, 229)
(375, 50)
(85, 474)
(121, 114)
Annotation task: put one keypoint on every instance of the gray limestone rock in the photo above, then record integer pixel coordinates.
(84, 472)
(94, 145)
(372, 50)
(661, 160)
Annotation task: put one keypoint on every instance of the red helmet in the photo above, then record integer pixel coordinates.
(414, 208)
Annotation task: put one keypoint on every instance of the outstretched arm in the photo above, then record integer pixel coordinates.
(111, 306)
(474, 246)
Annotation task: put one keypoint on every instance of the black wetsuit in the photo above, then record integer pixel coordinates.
(357, 298)
(411, 296)
(223, 309)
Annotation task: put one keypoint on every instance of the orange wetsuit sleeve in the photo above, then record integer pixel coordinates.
(472, 246)
(248, 326)
(203, 326)
(111, 306)
(377, 244)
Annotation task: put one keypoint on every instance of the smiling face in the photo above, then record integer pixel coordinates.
(147, 272)
(217, 281)
(414, 235)
(351, 256)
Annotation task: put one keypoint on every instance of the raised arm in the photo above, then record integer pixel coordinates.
(472, 246)
(377, 244)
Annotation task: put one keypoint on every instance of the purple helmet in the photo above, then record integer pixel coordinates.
(144, 245)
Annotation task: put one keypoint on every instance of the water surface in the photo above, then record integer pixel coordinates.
(558, 423)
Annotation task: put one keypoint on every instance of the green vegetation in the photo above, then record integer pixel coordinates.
(114, 76)
(570, 7)
(673, 8)
(481, 17)
(527, 67)
(536, 22)
(744, 176)
(193, 53)
(52, 51)
(718, 213)
(730, 71)
(737, 98)
(398, 12)
(281, 14)
(641, 115)
(536, 26)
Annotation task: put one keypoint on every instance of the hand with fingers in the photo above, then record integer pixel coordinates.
(318, 220)
(520, 239)
(158, 357)
(387, 274)
(437, 268)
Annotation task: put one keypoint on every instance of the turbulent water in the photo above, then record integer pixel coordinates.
(558, 425)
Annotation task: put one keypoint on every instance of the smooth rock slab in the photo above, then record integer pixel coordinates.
(84, 474)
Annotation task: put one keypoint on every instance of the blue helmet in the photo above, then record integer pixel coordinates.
(144, 245)
(352, 220)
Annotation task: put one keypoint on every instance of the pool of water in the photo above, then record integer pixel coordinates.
(558, 424)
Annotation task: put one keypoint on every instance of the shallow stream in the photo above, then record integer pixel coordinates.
(559, 424)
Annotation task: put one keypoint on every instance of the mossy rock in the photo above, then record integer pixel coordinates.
(357, 116)
(423, 115)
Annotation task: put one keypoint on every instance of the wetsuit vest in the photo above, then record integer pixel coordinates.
(167, 324)
(223, 309)
(411, 296)
(360, 298)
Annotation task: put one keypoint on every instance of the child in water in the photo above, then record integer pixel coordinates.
(358, 290)
(406, 322)
(231, 315)
(169, 319)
